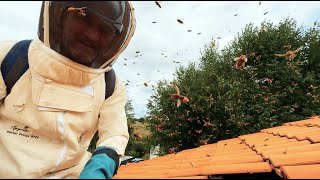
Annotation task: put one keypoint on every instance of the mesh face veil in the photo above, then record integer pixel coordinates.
(118, 15)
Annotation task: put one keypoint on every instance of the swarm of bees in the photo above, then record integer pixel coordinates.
(240, 61)
(289, 54)
(178, 97)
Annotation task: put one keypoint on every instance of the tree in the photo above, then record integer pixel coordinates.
(226, 102)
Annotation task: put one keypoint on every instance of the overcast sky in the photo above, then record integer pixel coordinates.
(213, 19)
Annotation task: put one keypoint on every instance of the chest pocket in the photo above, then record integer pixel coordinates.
(53, 96)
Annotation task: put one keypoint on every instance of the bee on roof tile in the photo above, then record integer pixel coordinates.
(240, 61)
(289, 54)
(178, 97)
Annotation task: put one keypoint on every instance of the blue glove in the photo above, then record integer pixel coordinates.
(101, 165)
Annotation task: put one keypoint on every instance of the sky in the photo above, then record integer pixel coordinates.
(167, 40)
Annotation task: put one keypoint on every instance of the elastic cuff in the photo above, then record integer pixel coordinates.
(111, 153)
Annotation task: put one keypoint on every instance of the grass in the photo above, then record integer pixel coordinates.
(141, 128)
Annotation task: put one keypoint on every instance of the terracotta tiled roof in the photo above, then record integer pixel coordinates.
(289, 151)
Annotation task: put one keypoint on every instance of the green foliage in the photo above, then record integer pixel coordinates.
(226, 102)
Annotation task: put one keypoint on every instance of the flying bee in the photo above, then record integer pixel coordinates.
(252, 54)
(204, 141)
(180, 21)
(146, 84)
(240, 61)
(213, 44)
(287, 46)
(198, 131)
(178, 97)
(138, 137)
(258, 58)
(290, 54)
(81, 11)
(158, 3)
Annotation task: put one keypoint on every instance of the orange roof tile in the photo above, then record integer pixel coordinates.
(294, 172)
(291, 150)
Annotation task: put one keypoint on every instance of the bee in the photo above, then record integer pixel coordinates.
(158, 4)
(240, 61)
(269, 80)
(287, 46)
(265, 13)
(180, 21)
(204, 141)
(173, 150)
(199, 33)
(81, 11)
(146, 84)
(189, 30)
(290, 54)
(213, 44)
(154, 22)
(207, 123)
(258, 58)
(236, 15)
(137, 52)
(137, 136)
(178, 97)
(259, 3)
(252, 54)
(198, 131)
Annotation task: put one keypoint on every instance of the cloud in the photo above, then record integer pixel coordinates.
(212, 19)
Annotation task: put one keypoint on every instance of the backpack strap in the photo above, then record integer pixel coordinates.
(110, 79)
(15, 64)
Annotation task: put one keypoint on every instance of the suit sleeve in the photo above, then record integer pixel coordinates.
(113, 127)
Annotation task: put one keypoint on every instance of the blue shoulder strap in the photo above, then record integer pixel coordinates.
(15, 64)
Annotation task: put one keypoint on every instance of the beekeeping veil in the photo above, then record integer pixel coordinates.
(50, 29)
